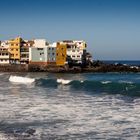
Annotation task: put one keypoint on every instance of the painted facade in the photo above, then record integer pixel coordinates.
(76, 51)
(61, 55)
(24, 52)
(14, 50)
(39, 51)
(40, 43)
(4, 55)
(51, 53)
(42, 55)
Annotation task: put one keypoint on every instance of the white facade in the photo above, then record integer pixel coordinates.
(76, 50)
(51, 52)
(5, 44)
(4, 55)
(81, 44)
(39, 43)
(45, 54)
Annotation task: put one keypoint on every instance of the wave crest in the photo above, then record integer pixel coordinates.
(19, 79)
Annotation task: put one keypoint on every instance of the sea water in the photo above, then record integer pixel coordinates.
(69, 106)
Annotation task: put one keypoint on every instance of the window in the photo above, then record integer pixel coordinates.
(68, 47)
(16, 49)
(39, 48)
(73, 55)
(52, 53)
(78, 55)
(16, 54)
(52, 48)
(16, 44)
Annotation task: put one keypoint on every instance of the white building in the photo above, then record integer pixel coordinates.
(5, 44)
(43, 54)
(76, 51)
(40, 43)
(4, 55)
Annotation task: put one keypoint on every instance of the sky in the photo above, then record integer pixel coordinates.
(111, 28)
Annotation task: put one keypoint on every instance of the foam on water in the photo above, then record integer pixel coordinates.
(19, 79)
(50, 110)
(64, 82)
(106, 82)
(125, 81)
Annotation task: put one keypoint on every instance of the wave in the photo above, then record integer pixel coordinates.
(19, 79)
(64, 82)
(106, 82)
(125, 81)
(125, 87)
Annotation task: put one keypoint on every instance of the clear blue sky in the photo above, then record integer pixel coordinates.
(110, 27)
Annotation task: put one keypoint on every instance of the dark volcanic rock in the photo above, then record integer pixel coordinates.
(96, 66)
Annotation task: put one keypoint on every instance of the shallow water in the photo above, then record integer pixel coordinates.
(90, 106)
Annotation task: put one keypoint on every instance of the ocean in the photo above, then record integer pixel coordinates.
(84, 106)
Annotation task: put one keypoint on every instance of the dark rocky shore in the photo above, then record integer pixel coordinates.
(96, 66)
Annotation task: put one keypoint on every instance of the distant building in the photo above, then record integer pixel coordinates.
(14, 49)
(61, 54)
(5, 44)
(76, 51)
(42, 55)
(51, 54)
(4, 55)
(40, 43)
(24, 52)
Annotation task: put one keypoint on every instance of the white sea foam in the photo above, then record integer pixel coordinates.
(64, 82)
(106, 82)
(19, 79)
(127, 82)
(59, 80)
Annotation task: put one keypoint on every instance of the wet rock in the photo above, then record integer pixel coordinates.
(30, 131)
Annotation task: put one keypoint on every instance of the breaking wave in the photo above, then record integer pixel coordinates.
(125, 87)
(19, 79)
(64, 82)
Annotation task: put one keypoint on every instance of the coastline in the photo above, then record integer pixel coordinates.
(96, 66)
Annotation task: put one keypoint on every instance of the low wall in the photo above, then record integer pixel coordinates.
(13, 68)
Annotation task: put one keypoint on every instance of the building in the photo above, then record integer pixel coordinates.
(76, 51)
(51, 54)
(14, 50)
(61, 55)
(40, 43)
(43, 55)
(24, 52)
(4, 55)
(5, 44)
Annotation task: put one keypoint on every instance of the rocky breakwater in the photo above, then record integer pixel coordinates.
(99, 66)
(96, 66)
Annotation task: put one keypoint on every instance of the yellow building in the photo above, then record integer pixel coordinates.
(14, 49)
(61, 54)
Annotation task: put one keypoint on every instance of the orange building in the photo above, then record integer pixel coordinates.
(61, 54)
(14, 50)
